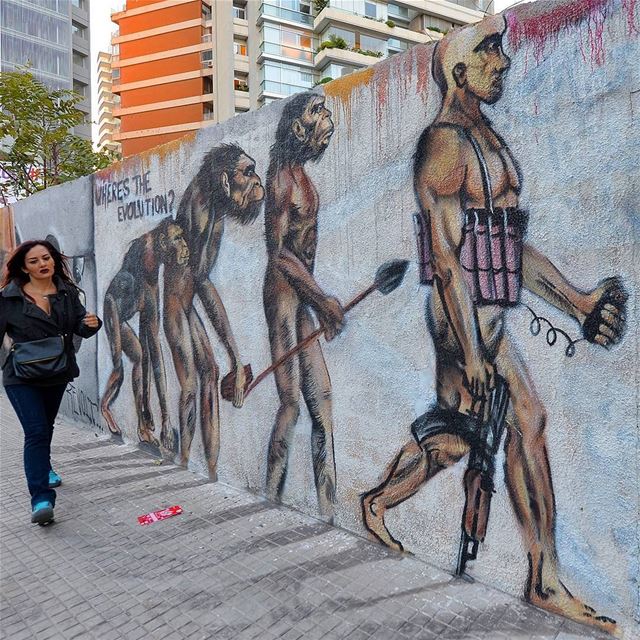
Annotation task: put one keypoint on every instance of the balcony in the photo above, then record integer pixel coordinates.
(287, 52)
(280, 89)
(458, 11)
(351, 21)
(286, 14)
(345, 57)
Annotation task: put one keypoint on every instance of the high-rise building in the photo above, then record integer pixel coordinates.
(182, 65)
(108, 124)
(52, 36)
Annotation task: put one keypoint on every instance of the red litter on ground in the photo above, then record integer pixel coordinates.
(163, 514)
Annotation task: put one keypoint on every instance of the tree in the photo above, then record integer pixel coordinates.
(37, 148)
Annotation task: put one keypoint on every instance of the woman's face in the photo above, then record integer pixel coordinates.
(38, 263)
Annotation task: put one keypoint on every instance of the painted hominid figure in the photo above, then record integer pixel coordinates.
(226, 186)
(468, 183)
(291, 294)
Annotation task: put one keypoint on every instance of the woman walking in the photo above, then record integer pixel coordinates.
(40, 310)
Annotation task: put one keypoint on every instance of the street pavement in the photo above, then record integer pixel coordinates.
(232, 566)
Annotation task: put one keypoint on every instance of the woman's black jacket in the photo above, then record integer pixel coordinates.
(23, 321)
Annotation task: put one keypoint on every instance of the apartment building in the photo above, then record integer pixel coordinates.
(108, 124)
(182, 65)
(52, 36)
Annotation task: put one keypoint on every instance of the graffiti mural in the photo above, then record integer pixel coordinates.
(501, 144)
(471, 233)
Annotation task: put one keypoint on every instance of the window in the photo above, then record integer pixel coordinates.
(368, 43)
(240, 48)
(207, 85)
(239, 12)
(207, 110)
(79, 59)
(115, 73)
(79, 3)
(398, 13)
(370, 10)
(348, 36)
(395, 45)
(240, 82)
(206, 11)
(285, 79)
(78, 30)
(80, 87)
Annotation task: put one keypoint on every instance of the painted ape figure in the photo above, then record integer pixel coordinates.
(468, 183)
(134, 289)
(226, 186)
(291, 294)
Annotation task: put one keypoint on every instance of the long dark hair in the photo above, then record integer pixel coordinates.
(13, 270)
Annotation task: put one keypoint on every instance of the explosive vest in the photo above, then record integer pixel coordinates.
(490, 249)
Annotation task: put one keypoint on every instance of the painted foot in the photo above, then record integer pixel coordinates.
(169, 439)
(144, 435)
(562, 602)
(111, 423)
(373, 519)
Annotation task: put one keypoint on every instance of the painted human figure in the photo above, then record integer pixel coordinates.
(134, 289)
(226, 186)
(467, 183)
(291, 294)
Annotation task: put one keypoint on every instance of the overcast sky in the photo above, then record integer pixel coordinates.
(102, 27)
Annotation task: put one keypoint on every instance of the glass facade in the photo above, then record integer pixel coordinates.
(286, 42)
(37, 33)
(284, 79)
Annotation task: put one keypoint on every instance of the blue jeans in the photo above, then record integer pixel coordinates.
(36, 408)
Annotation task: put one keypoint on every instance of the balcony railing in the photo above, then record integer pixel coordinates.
(475, 5)
(282, 88)
(287, 51)
(286, 14)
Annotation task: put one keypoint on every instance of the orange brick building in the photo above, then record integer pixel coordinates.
(163, 71)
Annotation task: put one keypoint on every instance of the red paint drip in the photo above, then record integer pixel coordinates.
(381, 90)
(544, 28)
(423, 67)
(629, 7)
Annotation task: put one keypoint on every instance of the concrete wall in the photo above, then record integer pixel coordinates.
(569, 115)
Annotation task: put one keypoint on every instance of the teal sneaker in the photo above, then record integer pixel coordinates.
(54, 479)
(42, 513)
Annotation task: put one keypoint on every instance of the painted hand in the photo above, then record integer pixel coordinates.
(239, 385)
(606, 322)
(479, 380)
(91, 320)
(331, 317)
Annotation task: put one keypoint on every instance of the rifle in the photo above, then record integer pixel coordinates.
(478, 478)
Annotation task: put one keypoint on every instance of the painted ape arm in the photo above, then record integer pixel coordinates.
(296, 272)
(601, 312)
(214, 307)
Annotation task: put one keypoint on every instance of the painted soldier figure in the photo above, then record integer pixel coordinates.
(473, 251)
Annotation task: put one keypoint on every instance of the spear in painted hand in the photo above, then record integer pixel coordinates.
(388, 278)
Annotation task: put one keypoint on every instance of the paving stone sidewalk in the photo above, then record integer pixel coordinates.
(232, 566)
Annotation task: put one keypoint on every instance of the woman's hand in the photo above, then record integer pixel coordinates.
(91, 321)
